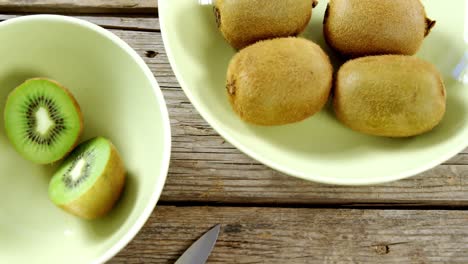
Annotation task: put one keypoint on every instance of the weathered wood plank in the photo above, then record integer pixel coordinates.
(113, 22)
(275, 235)
(205, 168)
(460, 159)
(81, 6)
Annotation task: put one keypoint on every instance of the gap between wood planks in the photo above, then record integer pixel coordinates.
(122, 22)
(298, 236)
(139, 7)
(204, 171)
(378, 205)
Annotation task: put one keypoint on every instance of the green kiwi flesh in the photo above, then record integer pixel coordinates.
(43, 121)
(244, 22)
(90, 181)
(279, 81)
(391, 96)
(356, 28)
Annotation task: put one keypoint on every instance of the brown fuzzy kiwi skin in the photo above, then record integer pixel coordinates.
(279, 81)
(244, 22)
(356, 28)
(390, 95)
(77, 108)
(102, 196)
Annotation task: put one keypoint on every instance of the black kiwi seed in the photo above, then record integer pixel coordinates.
(89, 157)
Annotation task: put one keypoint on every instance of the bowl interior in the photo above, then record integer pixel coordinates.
(119, 99)
(320, 148)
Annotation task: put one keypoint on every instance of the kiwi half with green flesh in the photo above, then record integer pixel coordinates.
(279, 81)
(90, 180)
(356, 28)
(244, 22)
(42, 120)
(391, 95)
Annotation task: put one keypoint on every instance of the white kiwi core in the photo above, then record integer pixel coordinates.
(76, 172)
(43, 121)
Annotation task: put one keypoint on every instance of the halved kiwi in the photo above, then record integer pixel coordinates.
(42, 120)
(90, 180)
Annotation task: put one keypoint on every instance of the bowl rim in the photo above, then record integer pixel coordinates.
(159, 97)
(162, 6)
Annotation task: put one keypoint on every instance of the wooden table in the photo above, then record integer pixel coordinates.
(269, 217)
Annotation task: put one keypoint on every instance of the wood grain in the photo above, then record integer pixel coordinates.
(206, 169)
(80, 6)
(298, 236)
(113, 22)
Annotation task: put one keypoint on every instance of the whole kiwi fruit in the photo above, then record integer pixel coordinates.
(244, 22)
(390, 95)
(279, 81)
(356, 28)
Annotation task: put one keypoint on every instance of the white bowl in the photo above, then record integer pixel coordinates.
(120, 100)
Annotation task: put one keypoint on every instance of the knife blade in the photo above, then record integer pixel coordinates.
(200, 250)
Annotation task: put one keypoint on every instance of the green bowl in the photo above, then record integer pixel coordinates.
(319, 149)
(120, 100)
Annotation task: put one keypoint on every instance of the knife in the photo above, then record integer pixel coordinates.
(199, 251)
